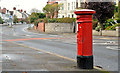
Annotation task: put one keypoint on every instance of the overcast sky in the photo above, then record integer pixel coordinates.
(23, 4)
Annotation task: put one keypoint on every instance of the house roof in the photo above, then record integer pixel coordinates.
(3, 10)
(11, 12)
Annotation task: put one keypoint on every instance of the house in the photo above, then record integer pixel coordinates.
(67, 9)
(5, 14)
(69, 6)
(21, 15)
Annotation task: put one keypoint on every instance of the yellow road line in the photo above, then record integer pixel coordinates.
(53, 54)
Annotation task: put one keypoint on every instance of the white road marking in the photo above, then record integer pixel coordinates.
(113, 48)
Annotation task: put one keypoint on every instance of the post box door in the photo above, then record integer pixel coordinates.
(79, 38)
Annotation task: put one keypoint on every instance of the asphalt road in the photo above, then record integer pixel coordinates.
(105, 48)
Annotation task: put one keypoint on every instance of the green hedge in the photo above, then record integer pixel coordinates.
(37, 21)
(60, 20)
(118, 20)
(112, 27)
(1, 21)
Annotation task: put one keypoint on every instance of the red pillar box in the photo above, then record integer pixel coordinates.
(84, 38)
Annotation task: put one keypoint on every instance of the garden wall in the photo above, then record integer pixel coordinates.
(59, 27)
(41, 27)
(108, 32)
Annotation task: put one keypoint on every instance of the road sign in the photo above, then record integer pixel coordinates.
(10, 16)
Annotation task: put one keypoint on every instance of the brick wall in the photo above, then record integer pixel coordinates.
(41, 27)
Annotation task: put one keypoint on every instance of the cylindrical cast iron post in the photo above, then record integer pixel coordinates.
(84, 38)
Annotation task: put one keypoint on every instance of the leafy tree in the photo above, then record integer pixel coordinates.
(1, 21)
(22, 21)
(33, 17)
(51, 9)
(119, 9)
(41, 15)
(104, 10)
(27, 20)
(15, 20)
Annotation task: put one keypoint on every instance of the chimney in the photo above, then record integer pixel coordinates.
(24, 11)
(14, 8)
(4, 10)
(21, 10)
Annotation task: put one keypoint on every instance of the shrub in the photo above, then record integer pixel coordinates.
(110, 22)
(22, 21)
(15, 20)
(118, 20)
(116, 8)
(45, 20)
(1, 21)
(94, 24)
(60, 20)
(51, 20)
(98, 28)
(108, 28)
(36, 23)
(112, 27)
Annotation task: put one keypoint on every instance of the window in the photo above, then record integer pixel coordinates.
(72, 5)
(76, 4)
(68, 15)
(63, 7)
(72, 15)
(63, 16)
(68, 6)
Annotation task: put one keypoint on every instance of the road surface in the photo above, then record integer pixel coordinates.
(19, 44)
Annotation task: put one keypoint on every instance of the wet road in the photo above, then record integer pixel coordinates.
(105, 50)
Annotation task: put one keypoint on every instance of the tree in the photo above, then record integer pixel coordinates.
(15, 20)
(51, 9)
(1, 21)
(34, 10)
(119, 9)
(27, 20)
(104, 10)
(41, 15)
(22, 20)
(33, 17)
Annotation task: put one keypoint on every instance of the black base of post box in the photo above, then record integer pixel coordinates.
(85, 62)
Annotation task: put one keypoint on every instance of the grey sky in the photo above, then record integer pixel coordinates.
(23, 4)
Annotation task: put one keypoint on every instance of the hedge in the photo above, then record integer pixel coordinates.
(112, 27)
(60, 20)
(1, 21)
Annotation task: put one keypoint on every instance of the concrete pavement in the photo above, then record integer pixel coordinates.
(17, 57)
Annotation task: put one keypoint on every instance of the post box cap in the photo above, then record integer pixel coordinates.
(84, 11)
